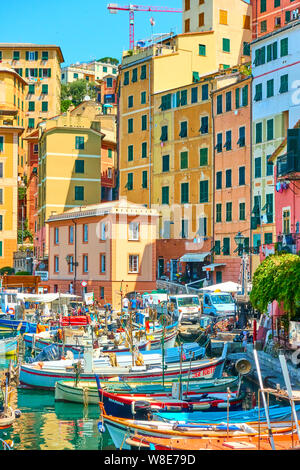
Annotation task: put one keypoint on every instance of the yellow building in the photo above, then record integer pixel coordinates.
(13, 90)
(175, 61)
(69, 168)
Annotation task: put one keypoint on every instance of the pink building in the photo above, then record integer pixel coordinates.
(287, 192)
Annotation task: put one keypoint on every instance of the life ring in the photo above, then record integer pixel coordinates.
(11, 311)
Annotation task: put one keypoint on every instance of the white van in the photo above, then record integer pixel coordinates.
(186, 307)
(219, 304)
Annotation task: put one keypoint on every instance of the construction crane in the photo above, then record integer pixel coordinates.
(114, 8)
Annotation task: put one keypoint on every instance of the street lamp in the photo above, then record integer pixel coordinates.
(239, 240)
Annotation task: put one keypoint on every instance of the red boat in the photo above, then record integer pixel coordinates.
(74, 320)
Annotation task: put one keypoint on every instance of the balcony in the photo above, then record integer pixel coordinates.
(288, 166)
(287, 242)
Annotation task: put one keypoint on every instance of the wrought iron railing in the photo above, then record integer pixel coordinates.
(288, 163)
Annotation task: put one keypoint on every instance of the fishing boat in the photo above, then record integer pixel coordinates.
(8, 415)
(141, 407)
(261, 442)
(8, 346)
(45, 375)
(87, 392)
(9, 323)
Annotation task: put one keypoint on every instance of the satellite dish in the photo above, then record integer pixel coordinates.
(243, 366)
(86, 98)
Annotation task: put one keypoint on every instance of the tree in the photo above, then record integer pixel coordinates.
(74, 93)
(64, 105)
(277, 278)
(109, 60)
(7, 270)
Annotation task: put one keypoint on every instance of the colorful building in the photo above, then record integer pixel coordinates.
(270, 15)
(111, 246)
(276, 108)
(90, 71)
(69, 169)
(13, 89)
(232, 174)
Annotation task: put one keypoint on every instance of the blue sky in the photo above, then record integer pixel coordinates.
(84, 29)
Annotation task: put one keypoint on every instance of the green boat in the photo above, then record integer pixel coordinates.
(87, 392)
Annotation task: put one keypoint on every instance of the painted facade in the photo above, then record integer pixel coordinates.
(90, 71)
(270, 15)
(111, 246)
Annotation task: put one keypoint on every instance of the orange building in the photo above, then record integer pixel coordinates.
(232, 175)
(270, 15)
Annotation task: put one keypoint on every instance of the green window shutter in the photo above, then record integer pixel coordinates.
(36, 55)
(143, 72)
(126, 78)
(204, 157)
(269, 202)
(183, 98)
(31, 89)
(40, 73)
(79, 193)
(183, 129)
(144, 179)
(165, 194)
(129, 181)
(245, 95)
(202, 49)
(134, 75)
(130, 101)
(258, 133)
(164, 133)
(263, 6)
(257, 167)
(218, 212)
(143, 97)
(31, 123)
(203, 191)
(49, 73)
(237, 98)
(270, 129)
(144, 150)
(27, 55)
(45, 89)
(184, 193)
(242, 211)
(219, 180)
(284, 47)
(268, 238)
(228, 211)
(79, 166)
(166, 163)
(26, 72)
(219, 104)
(184, 160)
(130, 126)
(31, 106)
(217, 248)
(144, 122)
(226, 246)
(45, 55)
(284, 84)
(258, 92)
(79, 143)
(130, 153)
(226, 45)
(270, 88)
(44, 106)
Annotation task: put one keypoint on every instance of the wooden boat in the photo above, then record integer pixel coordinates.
(141, 407)
(87, 392)
(8, 323)
(8, 417)
(282, 442)
(8, 346)
(45, 375)
(121, 429)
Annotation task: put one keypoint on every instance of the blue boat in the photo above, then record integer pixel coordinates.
(8, 322)
(276, 413)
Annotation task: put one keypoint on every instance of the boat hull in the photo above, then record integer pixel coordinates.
(8, 347)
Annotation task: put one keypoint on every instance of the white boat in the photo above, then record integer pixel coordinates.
(8, 346)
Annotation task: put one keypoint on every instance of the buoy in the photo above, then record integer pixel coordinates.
(101, 427)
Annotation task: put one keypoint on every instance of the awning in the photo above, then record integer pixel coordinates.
(194, 257)
(211, 267)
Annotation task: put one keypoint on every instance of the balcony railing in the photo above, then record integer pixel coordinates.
(288, 164)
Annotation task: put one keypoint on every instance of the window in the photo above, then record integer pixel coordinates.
(44, 106)
(16, 55)
(144, 179)
(245, 95)
(270, 88)
(164, 133)
(194, 95)
(219, 180)
(228, 101)
(219, 104)
(219, 145)
(202, 49)
(204, 157)
(130, 101)
(109, 153)
(284, 47)
(257, 167)
(134, 231)
(263, 26)
(187, 25)
(226, 45)
(71, 264)
(166, 163)
(71, 234)
(276, 3)
(260, 56)
(166, 102)
(165, 194)
(109, 82)
(31, 89)
(183, 129)
(223, 16)
(79, 143)
(226, 246)
(184, 228)
(263, 6)
(246, 22)
(144, 150)
(79, 193)
(143, 72)
(270, 129)
(242, 137)
(45, 55)
(284, 84)
(272, 52)
(126, 78)
(228, 178)
(228, 143)
(258, 92)
(56, 235)
(201, 20)
(105, 69)
(129, 181)
(103, 231)
(134, 75)
(258, 133)
(270, 167)
(217, 247)
(268, 238)
(204, 125)
(241, 175)
(203, 191)
(102, 263)
(143, 97)
(184, 193)
(130, 153)
(269, 208)
(133, 263)
(1, 163)
(242, 211)
(144, 122)
(183, 98)
(31, 106)
(101, 292)
(246, 48)
(218, 212)
(130, 125)
(45, 89)
(184, 160)
(85, 233)
(202, 232)
(187, 4)
(228, 211)
(204, 92)
(85, 263)
(237, 98)
(286, 221)
(56, 264)
(75, 75)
